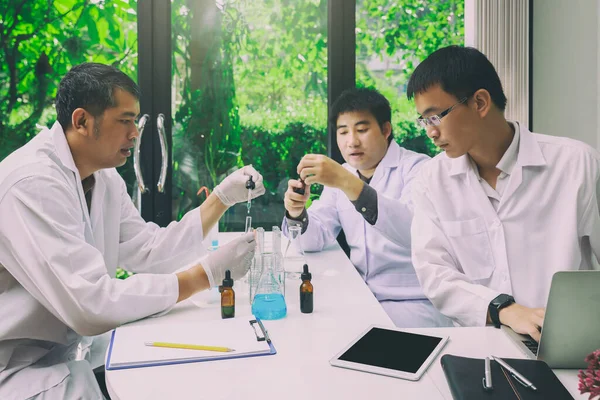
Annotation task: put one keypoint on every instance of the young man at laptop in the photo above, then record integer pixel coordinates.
(501, 209)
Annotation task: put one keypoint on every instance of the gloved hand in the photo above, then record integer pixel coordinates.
(233, 188)
(235, 256)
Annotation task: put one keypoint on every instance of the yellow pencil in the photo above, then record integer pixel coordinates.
(188, 346)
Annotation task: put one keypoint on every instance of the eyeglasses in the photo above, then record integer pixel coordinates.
(435, 120)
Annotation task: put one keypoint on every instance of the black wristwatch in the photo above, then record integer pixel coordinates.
(503, 300)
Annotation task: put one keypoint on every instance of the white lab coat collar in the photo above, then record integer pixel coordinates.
(509, 159)
(392, 156)
(529, 153)
(63, 151)
(391, 159)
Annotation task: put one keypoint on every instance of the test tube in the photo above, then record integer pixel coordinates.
(248, 223)
(249, 201)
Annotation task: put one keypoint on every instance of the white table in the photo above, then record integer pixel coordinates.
(343, 307)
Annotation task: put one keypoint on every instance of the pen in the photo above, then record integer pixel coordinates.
(518, 377)
(189, 346)
(487, 378)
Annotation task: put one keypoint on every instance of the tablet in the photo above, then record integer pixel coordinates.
(390, 351)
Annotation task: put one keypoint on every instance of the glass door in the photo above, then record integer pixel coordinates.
(248, 86)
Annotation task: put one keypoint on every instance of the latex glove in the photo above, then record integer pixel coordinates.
(233, 188)
(235, 256)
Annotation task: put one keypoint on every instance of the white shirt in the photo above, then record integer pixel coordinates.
(380, 252)
(466, 253)
(58, 262)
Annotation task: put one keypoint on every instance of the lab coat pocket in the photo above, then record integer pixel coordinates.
(472, 247)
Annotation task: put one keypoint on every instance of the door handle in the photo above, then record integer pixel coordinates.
(162, 136)
(136, 154)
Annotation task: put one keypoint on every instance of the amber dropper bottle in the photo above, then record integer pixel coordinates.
(306, 291)
(227, 297)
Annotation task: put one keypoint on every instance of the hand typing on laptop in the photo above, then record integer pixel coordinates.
(523, 320)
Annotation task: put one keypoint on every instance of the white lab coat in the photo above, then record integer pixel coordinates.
(380, 252)
(57, 263)
(465, 253)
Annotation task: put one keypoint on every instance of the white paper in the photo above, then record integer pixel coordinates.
(129, 347)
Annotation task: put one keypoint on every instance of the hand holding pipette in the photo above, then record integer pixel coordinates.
(233, 190)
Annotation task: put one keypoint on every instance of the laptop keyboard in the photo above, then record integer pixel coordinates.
(532, 345)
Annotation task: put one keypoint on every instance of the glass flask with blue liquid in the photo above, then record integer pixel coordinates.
(268, 300)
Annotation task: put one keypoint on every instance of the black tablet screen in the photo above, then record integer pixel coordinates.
(401, 351)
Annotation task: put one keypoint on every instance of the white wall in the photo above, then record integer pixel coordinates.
(566, 69)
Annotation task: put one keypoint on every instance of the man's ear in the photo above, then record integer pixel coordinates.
(386, 129)
(483, 102)
(81, 121)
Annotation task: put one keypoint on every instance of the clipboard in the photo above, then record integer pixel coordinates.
(127, 347)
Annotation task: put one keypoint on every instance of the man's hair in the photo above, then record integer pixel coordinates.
(90, 86)
(362, 99)
(460, 71)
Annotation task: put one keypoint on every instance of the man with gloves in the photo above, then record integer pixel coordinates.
(66, 224)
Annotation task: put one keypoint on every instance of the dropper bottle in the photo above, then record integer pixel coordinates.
(306, 291)
(227, 297)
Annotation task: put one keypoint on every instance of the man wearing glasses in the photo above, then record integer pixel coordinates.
(501, 209)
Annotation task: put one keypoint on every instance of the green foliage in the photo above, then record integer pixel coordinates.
(263, 68)
(207, 116)
(40, 41)
(408, 29)
(280, 67)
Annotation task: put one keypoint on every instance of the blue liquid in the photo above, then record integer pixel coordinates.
(269, 306)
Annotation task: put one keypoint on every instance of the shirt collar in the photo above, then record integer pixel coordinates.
(509, 159)
(364, 178)
(530, 153)
(392, 156)
(63, 151)
(390, 159)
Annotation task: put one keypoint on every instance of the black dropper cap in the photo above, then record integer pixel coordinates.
(306, 276)
(227, 282)
(300, 190)
(250, 183)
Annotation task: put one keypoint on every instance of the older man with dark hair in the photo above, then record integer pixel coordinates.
(67, 222)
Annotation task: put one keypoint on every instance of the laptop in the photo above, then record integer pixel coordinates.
(571, 328)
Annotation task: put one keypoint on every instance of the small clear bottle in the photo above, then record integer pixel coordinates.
(227, 297)
(306, 291)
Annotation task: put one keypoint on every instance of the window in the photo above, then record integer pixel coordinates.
(249, 87)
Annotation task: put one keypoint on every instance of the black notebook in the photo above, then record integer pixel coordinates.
(465, 378)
